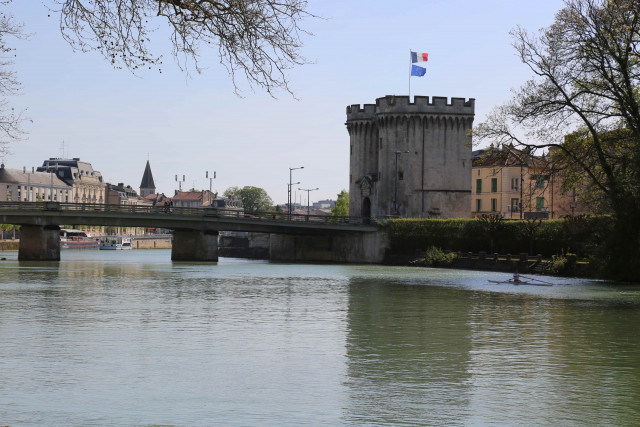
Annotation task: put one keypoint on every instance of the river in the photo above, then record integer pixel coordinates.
(128, 338)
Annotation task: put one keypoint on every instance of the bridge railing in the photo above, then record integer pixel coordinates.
(279, 217)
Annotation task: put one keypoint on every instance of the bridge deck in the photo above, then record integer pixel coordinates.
(203, 219)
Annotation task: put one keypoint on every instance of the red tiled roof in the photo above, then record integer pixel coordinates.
(188, 195)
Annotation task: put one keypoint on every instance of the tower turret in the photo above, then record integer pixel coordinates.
(429, 139)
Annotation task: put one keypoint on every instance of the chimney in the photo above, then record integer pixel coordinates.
(24, 169)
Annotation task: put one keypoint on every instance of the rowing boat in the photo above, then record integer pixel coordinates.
(520, 283)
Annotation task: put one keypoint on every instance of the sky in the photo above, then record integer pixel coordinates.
(80, 106)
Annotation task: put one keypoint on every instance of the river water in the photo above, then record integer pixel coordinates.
(129, 338)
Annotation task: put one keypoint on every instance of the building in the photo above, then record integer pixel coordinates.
(86, 183)
(147, 186)
(518, 185)
(192, 199)
(410, 159)
(324, 204)
(18, 185)
(125, 195)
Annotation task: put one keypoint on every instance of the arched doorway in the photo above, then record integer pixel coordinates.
(366, 208)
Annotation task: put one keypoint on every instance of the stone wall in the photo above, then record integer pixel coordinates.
(154, 243)
(365, 248)
(434, 164)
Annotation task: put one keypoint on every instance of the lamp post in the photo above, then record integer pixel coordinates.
(290, 184)
(395, 184)
(210, 185)
(308, 190)
(180, 183)
(521, 178)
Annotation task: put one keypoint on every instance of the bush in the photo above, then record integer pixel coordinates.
(435, 257)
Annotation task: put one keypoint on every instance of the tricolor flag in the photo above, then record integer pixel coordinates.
(418, 71)
(419, 57)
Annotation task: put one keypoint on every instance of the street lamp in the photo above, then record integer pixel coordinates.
(210, 185)
(290, 184)
(521, 178)
(395, 184)
(180, 183)
(308, 190)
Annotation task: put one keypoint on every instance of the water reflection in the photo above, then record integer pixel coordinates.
(134, 339)
(408, 353)
(443, 355)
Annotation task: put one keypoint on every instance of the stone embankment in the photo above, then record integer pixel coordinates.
(522, 263)
(9, 245)
(152, 241)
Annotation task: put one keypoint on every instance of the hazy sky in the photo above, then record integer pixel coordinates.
(188, 125)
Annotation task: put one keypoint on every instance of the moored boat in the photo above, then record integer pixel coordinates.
(114, 243)
(76, 239)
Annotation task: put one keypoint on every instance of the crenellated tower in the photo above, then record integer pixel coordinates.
(432, 139)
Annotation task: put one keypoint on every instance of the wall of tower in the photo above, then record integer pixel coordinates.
(434, 167)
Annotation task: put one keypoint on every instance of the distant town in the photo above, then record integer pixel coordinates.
(76, 181)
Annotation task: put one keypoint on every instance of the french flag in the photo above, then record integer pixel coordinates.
(419, 57)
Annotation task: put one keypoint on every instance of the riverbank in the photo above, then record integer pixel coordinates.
(523, 263)
(9, 245)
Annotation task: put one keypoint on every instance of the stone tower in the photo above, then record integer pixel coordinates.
(430, 141)
(147, 186)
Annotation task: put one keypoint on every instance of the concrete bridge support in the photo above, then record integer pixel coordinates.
(39, 243)
(194, 245)
(366, 248)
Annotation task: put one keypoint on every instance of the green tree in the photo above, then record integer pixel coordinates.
(254, 199)
(342, 204)
(586, 68)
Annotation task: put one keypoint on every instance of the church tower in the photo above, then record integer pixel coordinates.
(147, 186)
(410, 159)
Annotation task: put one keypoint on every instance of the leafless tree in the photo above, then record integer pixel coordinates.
(10, 119)
(259, 40)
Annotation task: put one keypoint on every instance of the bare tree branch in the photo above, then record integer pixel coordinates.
(258, 40)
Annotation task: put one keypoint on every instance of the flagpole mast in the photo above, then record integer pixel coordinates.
(409, 75)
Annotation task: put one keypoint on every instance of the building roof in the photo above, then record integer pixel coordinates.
(147, 178)
(506, 156)
(188, 195)
(71, 170)
(42, 179)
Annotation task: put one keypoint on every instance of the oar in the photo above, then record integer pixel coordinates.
(532, 278)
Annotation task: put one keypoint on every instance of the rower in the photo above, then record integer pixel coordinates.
(516, 277)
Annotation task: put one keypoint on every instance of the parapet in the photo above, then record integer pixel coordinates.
(392, 104)
(354, 112)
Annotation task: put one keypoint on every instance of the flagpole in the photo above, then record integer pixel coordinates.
(409, 75)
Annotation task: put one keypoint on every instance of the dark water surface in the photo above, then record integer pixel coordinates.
(130, 338)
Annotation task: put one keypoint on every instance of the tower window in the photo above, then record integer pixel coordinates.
(400, 176)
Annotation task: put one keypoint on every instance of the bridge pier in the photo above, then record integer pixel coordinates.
(194, 245)
(39, 243)
(359, 248)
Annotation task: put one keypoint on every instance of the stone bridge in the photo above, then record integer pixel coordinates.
(195, 237)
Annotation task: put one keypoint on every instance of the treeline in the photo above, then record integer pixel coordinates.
(581, 235)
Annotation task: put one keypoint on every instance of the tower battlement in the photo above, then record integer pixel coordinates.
(392, 104)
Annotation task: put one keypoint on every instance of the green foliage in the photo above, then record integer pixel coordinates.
(254, 199)
(585, 236)
(562, 263)
(436, 257)
(342, 205)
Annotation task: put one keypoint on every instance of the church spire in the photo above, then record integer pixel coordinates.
(147, 186)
